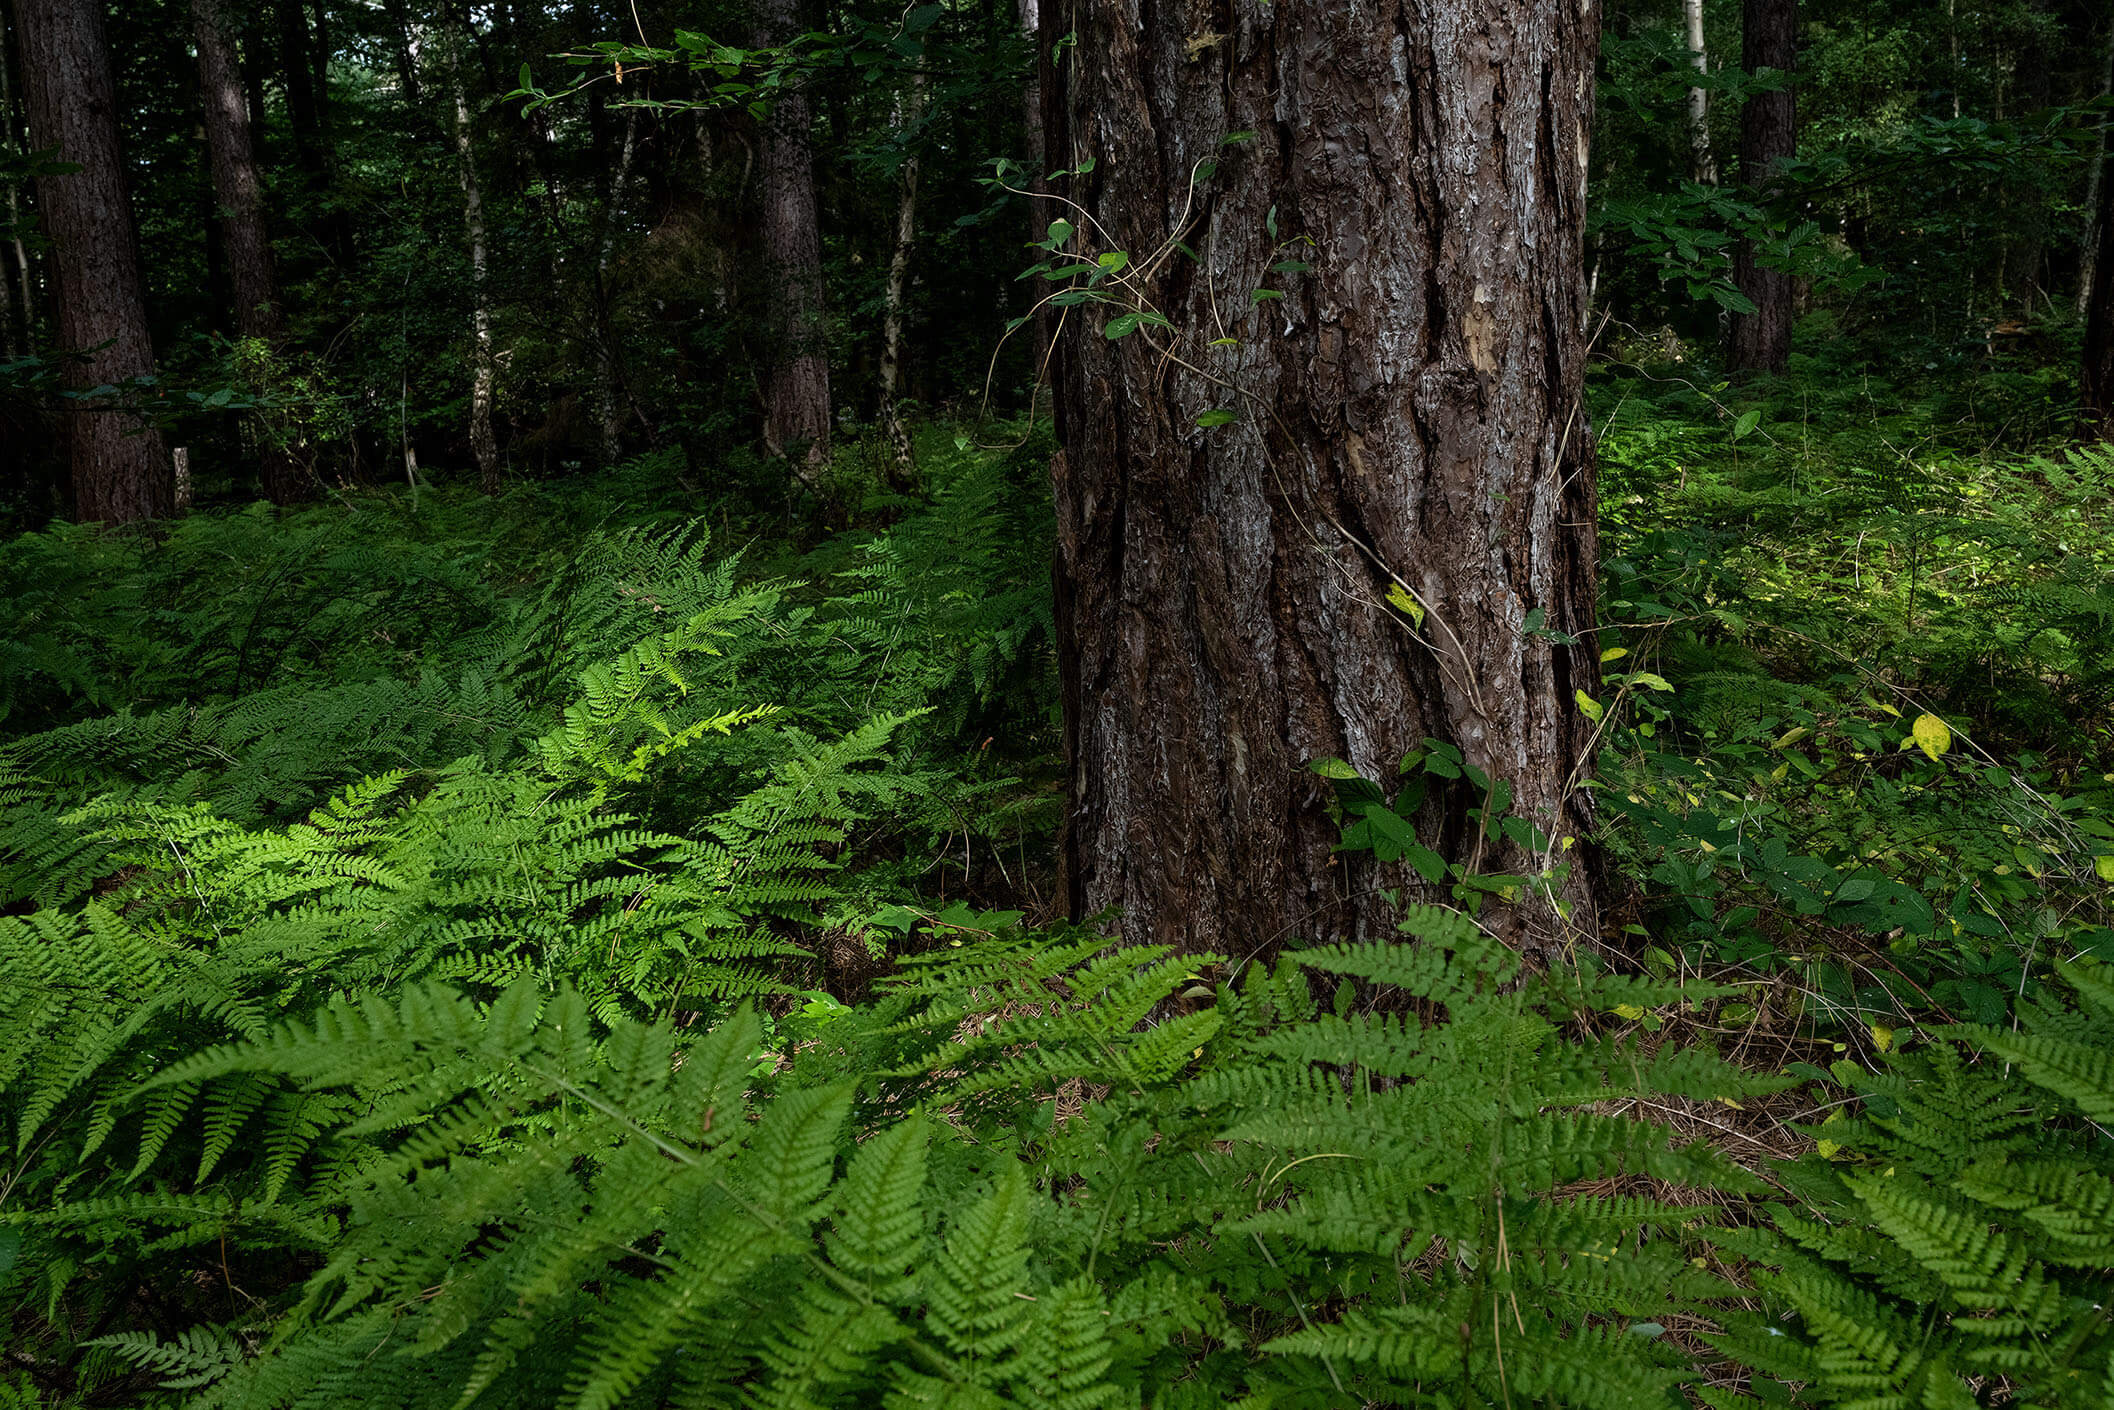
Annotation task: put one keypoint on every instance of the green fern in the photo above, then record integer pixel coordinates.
(1269, 1202)
(1960, 1251)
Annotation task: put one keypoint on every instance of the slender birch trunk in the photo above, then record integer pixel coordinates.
(484, 369)
(1702, 163)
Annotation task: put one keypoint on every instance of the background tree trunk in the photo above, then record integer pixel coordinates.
(118, 469)
(796, 392)
(238, 191)
(10, 345)
(305, 64)
(609, 368)
(1040, 212)
(1409, 416)
(304, 100)
(910, 108)
(1702, 164)
(1761, 341)
(23, 272)
(2098, 369)
(483, 363)
(405, 50)
(2095, 191)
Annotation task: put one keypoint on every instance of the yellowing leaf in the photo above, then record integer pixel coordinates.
(1629, 1011)
(1398, 597)
(1649, 681)
(2105, 867)
(1614, 653)
(1882, 1037)
(1932, 735)
(1790, 737)
(1588, 704)
(1829, 1150)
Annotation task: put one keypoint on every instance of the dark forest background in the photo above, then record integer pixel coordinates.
(1941, 217)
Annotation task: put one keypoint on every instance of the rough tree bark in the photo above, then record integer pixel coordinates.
(910, 107)
(796, 388)
(119, 471)
(1702, 164)
(238, 193)
(2098, 369)
(1761, 341)
(484, 369)
(1409, 417)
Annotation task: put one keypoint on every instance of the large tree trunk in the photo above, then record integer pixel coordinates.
(119, 471)
(484, 368)
(2098, 369)
(796, 390)
(1702, 164)
(1761, 341)
(1409, 423)
(910, 107)
(245, 238)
